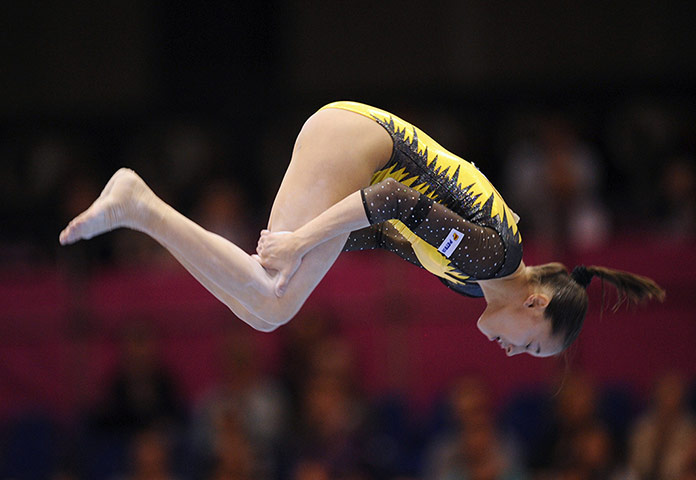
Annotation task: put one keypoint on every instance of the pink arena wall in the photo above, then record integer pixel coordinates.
(409, 334)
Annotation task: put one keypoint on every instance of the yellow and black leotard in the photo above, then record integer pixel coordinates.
(436, 210)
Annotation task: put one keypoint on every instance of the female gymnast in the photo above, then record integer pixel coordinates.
(362, 178)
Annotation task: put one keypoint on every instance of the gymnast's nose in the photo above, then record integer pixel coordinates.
(512, 350)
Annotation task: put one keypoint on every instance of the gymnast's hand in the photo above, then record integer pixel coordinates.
(279, 251)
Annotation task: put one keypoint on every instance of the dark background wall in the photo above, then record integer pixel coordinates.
(107, 75)
(132, 57)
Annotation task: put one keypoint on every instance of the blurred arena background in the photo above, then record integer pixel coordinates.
(114, 363)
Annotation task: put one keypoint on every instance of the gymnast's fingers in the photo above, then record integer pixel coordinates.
(284, 276)
(267, 260)
(259, 247)
(282, 282)
(281, 285)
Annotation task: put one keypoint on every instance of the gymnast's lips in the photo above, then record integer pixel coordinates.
(503, 344)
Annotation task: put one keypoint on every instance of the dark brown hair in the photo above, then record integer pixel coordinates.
(568, 305)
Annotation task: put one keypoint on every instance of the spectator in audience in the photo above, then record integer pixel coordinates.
(150, 457)
(142, 392)
(660, 442)
(678, 197)
(640, 133)
(37, 189)
(575, 410)
(689, 468)
(333, 357)
(243, 392)
(311, 470)
(301, 340)
(472, 448)
(233, 455)
(178, 155)
(554, 180)
(591, 456)
(222, 208)
(330, 429)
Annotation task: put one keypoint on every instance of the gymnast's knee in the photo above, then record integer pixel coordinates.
(256, 322)
(268, 314)
(280, 315)
(262, 326)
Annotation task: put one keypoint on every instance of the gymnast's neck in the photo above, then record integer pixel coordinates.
(511, 287)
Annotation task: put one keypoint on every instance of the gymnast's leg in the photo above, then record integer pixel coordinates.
(127, 201)
(335, 154)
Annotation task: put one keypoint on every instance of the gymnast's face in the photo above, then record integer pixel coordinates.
(521, 328)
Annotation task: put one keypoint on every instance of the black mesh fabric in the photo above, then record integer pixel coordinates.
(383, 236)
(480, 254)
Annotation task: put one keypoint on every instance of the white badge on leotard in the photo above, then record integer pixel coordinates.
(450, 243)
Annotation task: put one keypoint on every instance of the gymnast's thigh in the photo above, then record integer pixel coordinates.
(335, 154)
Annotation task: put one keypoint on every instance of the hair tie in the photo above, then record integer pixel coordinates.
(582, 276)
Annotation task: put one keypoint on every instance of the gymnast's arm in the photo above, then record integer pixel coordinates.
(283, 251)
(384, 201)
(348, 215)
(384, 236)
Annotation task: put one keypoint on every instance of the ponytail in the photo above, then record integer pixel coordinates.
(568, 305)
(630, 288)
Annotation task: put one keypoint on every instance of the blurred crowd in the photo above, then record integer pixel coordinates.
(311, 420)
(575, 176)
(576, 179)
(589, 137)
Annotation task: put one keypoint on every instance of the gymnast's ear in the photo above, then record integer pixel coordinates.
(537, 300)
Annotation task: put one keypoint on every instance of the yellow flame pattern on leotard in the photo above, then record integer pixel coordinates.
(446, 178)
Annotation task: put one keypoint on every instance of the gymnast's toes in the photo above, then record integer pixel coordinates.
(69, 234)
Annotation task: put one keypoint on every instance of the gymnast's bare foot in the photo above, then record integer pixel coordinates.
(123, 203)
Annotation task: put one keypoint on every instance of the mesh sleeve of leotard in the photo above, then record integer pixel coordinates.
(480, 253)
(384, 236)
